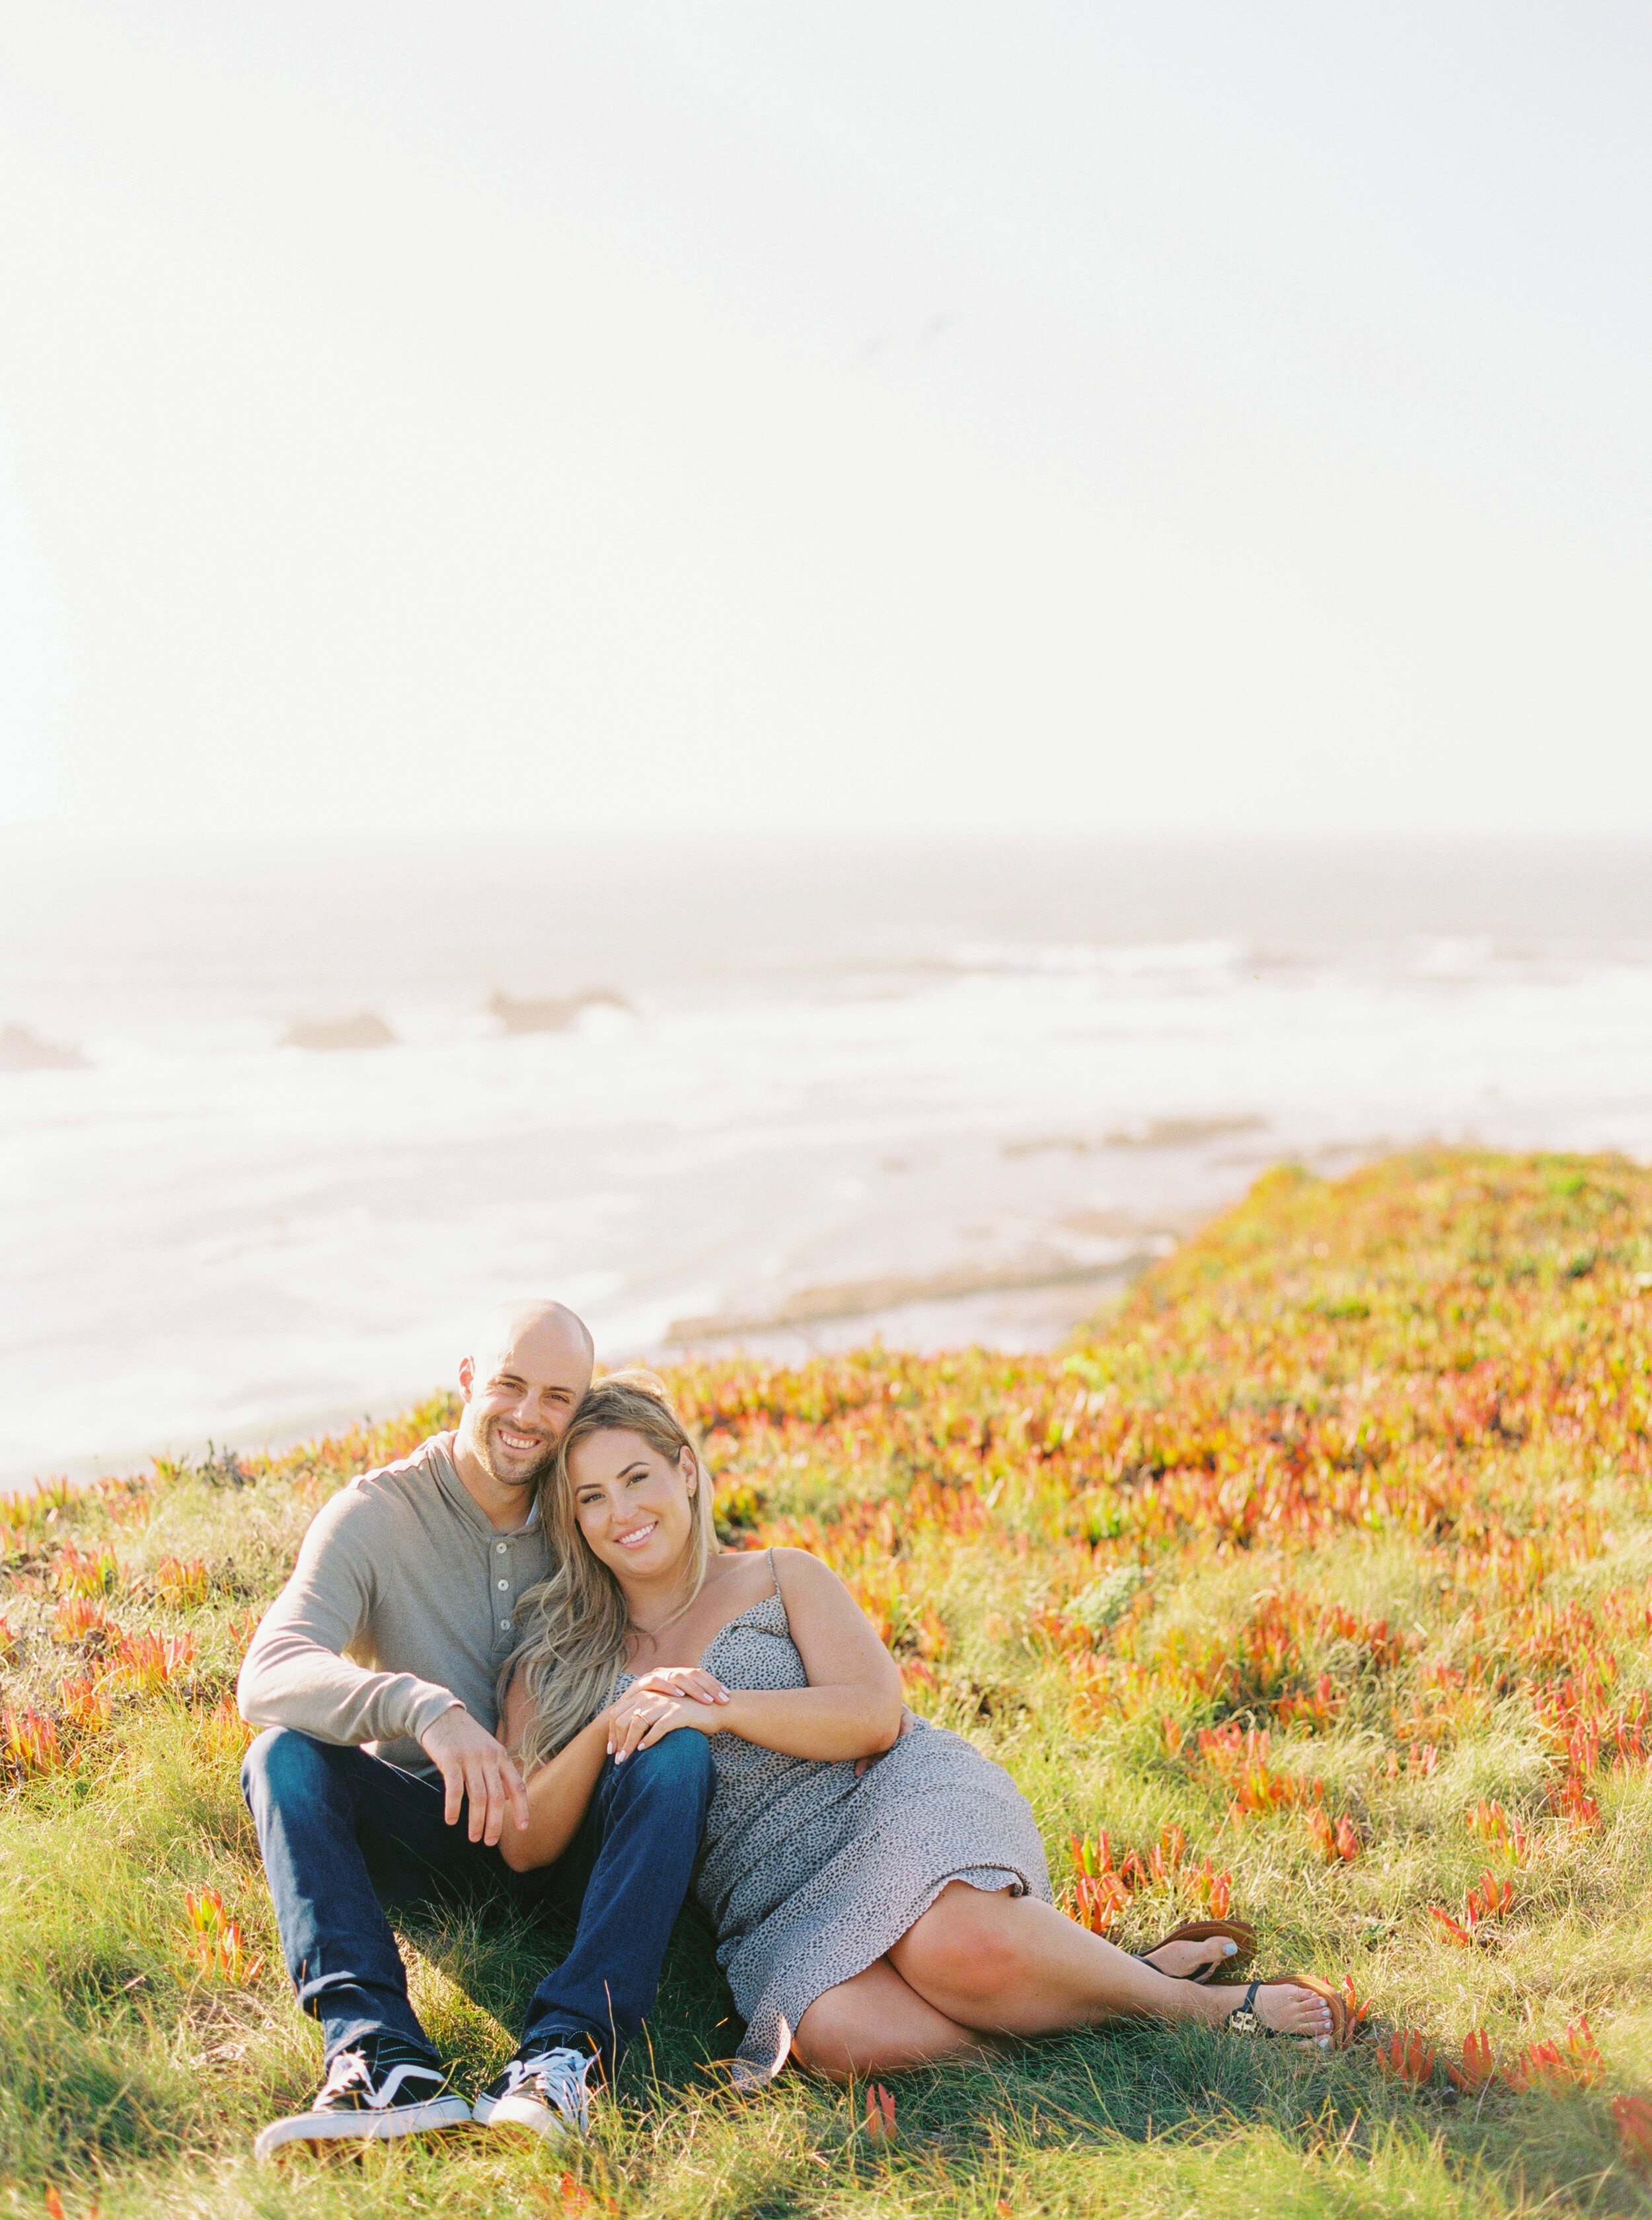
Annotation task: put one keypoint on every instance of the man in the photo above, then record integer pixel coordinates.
(381, 1779)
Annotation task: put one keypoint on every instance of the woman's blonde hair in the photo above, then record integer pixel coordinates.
(575, 1619)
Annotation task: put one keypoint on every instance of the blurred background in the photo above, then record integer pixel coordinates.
(793, 673)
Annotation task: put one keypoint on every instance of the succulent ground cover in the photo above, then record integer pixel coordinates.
(1315, 1582)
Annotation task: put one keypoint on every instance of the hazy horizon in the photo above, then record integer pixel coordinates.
(283, 1139)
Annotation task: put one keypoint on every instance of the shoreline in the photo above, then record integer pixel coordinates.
(1017, 1308)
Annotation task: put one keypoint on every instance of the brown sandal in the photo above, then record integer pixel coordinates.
(1238, 1931)
(1244, 2019)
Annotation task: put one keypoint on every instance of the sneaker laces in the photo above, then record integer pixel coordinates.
(559, 2065)
(347, 2069)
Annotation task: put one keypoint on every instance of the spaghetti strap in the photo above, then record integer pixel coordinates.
(773, 1574)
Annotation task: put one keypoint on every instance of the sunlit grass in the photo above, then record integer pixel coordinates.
(1319, 1578)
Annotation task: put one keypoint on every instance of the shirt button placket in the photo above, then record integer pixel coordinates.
(502, 1589)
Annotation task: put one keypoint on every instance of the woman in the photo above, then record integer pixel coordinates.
(868, 1920)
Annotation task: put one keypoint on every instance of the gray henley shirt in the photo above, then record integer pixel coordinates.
(402, 1602)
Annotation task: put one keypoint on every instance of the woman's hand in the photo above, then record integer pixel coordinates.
(643, 1709)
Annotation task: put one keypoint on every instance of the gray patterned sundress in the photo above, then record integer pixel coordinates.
(809, 1875)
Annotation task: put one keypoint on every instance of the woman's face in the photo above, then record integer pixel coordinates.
(634, 1506)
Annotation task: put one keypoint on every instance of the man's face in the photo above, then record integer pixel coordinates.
(519, 1397)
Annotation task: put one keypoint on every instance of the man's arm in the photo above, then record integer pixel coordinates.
(294, 1674)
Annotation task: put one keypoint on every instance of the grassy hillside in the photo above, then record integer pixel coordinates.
(1317, 1581)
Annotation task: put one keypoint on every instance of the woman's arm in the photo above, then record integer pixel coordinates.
(851, 1707)
(558, 1790)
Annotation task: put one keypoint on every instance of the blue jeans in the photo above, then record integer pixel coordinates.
(342, 1834)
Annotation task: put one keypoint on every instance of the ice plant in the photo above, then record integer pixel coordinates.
(1338, 1842)
(1164, 1860)
(1097, 1901)
(1491, 1822)
(80, 1617)
(1547, 2065)
(1490, 1898)
(217, 1944)
(879, 2113)
(1102, 1887)
(1317, 1709)
(1213, 1889)
(1477, 2067)
(85, 1706)
(1099, 1894)
(151, 1661)
(224, 1730)
(31, 1742)
(1634, 2117)
(569, 2196)
(1407, 2056)
(1240, 1758)
(97, 1574)
(242, 1629)
(179, 1584)
(1487, 1900)
(1357, 2011)
(1569, 1799)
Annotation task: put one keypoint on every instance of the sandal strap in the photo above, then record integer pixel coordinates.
(1244, 2019)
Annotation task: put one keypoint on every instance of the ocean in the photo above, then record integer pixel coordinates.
(275, 1125)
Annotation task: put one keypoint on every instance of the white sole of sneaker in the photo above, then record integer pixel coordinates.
(323, 2130)
(524, 2117)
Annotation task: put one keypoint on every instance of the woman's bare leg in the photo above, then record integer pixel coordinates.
(1012, 1966)
(876, 2024)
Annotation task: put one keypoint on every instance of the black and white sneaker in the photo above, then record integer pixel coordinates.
(543, 2091)
(381, 2088)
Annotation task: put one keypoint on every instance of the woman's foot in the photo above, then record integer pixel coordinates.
(1185, 1962)
(1200, 1948)
(1297, 2005)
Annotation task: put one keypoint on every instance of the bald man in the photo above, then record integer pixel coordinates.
(380, 1780)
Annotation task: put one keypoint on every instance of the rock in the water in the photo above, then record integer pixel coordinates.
(22, 1051)
(549, 1013)
(364, 1030)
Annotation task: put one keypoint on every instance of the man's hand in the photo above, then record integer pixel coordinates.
(475, 1768)
(907, 1722)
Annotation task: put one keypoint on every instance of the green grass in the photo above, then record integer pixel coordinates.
(130, 2081)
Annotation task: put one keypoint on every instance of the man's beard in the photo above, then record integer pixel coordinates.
(531, 1478)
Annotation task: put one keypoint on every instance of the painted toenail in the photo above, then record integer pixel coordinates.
(1230, 1949)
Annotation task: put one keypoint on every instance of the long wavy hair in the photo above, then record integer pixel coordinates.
(576, 1621)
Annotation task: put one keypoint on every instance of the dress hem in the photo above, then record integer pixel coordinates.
(760, 2058)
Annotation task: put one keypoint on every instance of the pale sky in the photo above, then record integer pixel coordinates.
(543, 416)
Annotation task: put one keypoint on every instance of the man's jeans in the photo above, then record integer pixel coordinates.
(343, 1834)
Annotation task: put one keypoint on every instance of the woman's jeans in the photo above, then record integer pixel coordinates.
(343, 1834)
